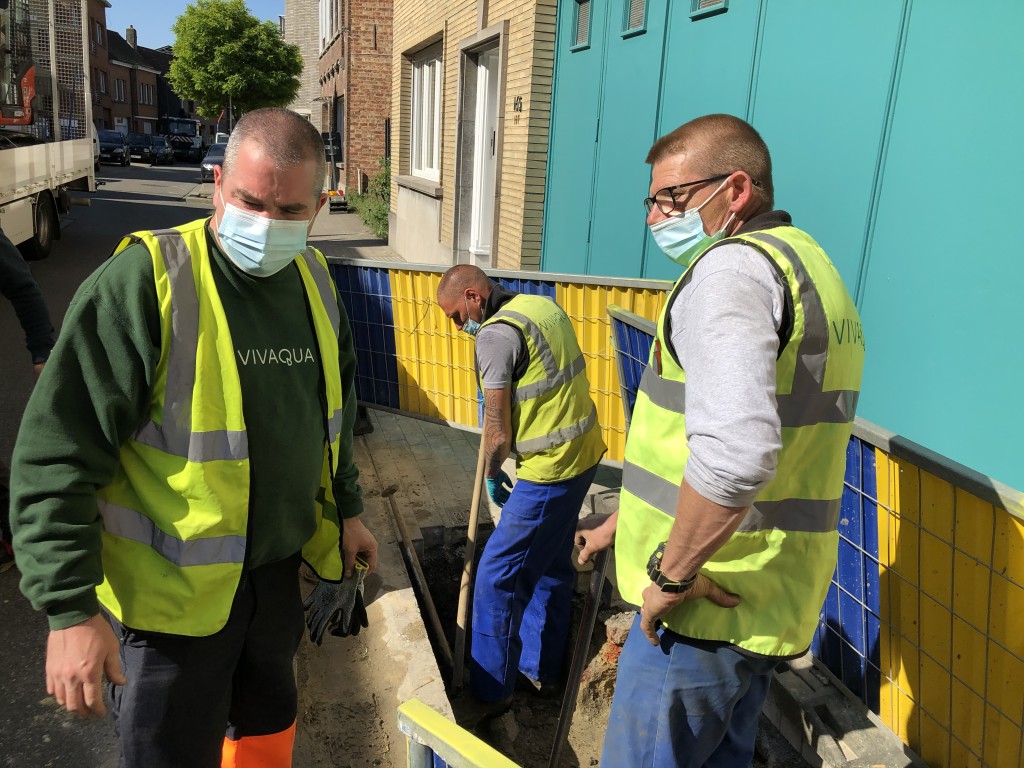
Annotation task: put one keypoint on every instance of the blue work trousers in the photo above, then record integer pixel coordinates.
(523, 594)
(684, 704)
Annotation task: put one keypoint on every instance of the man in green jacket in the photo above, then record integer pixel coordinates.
(187, 446)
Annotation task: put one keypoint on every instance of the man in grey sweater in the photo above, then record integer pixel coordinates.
(726, 533)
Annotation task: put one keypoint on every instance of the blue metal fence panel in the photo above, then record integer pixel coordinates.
(531, 287)
(848, 637)
(366, 295)
(632, 347)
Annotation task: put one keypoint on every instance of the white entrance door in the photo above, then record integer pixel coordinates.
(485, 154)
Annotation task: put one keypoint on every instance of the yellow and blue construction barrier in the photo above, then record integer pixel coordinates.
(924, 621)
(434, 741)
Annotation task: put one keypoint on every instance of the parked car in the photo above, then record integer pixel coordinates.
(114, 148)
(214, 157)
(163, 152)
(141, 145)
(221, 138)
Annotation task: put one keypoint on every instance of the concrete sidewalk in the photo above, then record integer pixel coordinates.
(345, 236)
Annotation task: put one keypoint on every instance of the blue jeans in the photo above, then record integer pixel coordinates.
(684, 703)
(522, 598)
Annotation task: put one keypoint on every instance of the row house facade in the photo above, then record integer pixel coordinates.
(300, 27)
(471, 85)
(99, 65)
(354, 54)
(134, 83)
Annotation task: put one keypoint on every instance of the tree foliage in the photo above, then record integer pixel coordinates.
(222, 52)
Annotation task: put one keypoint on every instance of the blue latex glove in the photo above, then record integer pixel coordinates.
(337, 607)
(499, 488)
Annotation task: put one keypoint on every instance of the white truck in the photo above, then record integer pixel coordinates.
(46, 131)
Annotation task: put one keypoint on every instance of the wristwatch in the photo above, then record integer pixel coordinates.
(662, 581)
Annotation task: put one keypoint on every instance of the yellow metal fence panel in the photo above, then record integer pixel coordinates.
(587, 307)
(436, 374)
(435, 364)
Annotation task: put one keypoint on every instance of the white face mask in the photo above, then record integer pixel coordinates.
(257, 245)
(682, 237)
(471, 326)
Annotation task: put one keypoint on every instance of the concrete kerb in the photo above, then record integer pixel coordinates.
(830, 728)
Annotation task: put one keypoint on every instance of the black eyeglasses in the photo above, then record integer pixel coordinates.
(666, 199)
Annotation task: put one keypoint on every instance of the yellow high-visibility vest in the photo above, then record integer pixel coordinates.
(176, 513)
(781, 559)
(554, 422)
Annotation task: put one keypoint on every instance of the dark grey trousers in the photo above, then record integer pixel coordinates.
(185, 694)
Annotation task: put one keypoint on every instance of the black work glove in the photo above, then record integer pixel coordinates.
(337, 607)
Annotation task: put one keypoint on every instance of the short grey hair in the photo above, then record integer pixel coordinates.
(287, 137)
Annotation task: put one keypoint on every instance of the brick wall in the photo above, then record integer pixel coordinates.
(369, 88)
(98, 63)
(120, 109)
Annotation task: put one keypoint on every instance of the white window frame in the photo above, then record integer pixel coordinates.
(120, 89)
(328, 22)
(102, 80)
(425, 113)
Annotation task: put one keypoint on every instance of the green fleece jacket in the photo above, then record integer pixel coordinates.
(95, 393)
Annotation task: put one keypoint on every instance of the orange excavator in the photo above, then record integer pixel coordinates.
(17, 68)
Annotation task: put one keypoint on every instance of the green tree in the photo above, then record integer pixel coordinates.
(224, 55)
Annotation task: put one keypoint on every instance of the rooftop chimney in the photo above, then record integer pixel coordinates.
(131, 36)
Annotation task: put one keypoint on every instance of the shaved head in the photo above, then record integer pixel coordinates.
(458, 279)
(719, 144)
(285, 136)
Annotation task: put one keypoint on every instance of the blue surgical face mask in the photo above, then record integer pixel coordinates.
(682, 237)
(257, 245)
(471, 326)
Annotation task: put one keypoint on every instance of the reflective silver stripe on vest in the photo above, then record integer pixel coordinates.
(129, 524)
(650, 488)
(806, 410)
(664, 393)
(175, 435)
(334, 426)
(564, 435)
(544, 353)
(795, 410)
(322, 278)
(804, 515)
(560, 379)
(810, 357)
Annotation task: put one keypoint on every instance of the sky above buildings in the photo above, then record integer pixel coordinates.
(153, 19)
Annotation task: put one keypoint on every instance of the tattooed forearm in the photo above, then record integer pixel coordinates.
(497, 429)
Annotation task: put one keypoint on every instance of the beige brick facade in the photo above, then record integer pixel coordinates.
(301, 28)
(525, 32)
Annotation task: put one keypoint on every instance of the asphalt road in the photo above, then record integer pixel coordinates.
(33, 732)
